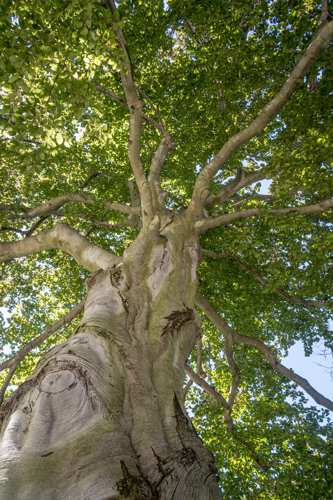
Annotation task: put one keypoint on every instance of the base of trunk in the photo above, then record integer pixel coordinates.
(70, 432)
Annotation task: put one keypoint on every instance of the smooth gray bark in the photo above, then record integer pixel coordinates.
(102, 415)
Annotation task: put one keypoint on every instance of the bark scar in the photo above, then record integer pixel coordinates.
(133, 486)
(177, 319)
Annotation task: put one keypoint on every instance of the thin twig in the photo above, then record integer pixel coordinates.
(264, 282)
(7, 381)
(206, 387)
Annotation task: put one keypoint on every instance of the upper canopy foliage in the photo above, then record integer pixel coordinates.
(209, 68)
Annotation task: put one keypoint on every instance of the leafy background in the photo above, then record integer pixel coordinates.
(208, 82)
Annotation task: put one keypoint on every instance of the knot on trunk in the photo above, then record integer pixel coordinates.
(177, 319)
(133, 487)
(91, 279)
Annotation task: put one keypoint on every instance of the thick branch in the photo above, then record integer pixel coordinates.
(186, 388)
(235, 337)
(204, 224)
(263, 281)
(304, 65)
(57, 203)
(61, 237)
(43, 336)
(126, 209)
(135, 107)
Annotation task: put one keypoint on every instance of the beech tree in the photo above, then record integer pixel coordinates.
(134, 140)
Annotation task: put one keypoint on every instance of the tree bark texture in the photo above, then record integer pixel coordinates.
(102, 415)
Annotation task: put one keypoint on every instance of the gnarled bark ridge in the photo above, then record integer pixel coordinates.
(102, 415)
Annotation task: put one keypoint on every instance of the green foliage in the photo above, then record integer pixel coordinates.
(209, 67)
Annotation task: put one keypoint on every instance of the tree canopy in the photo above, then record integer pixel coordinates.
(239, 92)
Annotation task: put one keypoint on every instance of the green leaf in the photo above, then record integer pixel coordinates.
(59, 139)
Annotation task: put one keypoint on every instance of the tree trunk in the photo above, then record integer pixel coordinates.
(102, 415)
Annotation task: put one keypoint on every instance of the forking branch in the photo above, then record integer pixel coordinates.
(204, 224)
(241, 180)
(166, 145)
(202, 186)
(206, 387)
(227, 405)
(165, 134)
(235, 337)
(135, 107)
(121, 100)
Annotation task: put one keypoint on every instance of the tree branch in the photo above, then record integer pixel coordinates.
(29, 231)
(35, 226)
(109, 93)
(135, 107)
(201, 189)
(206, 387)
(227, 411)
(325, 15)
(56, 203)
(90, 178)
(106, 225)
(7, 381)
(193, 33)
(200, 370)
(13, 229)
(227, 405)
(61, 237)
(234, 371)
(121, 100)
(158, 194)
(241, 181)
(165, 134)
(186, 388)
(263, 281)
(67, 318)
(204, 224)
(235, 337)
(97, 223)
